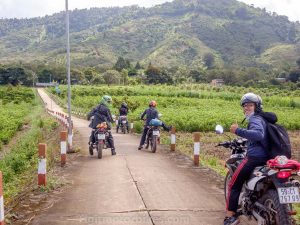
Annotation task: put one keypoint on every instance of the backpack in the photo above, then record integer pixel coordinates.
(279, 141)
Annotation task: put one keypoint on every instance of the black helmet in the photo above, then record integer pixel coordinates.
(252, 98)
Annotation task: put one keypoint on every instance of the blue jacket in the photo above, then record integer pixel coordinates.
(256, 134)
(150, 113)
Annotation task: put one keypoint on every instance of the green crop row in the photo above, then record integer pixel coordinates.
(188, 109)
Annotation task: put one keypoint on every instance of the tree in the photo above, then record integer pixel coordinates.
(294, 75)
(209, 60)
(111, 77)
(90, 73)
(156, 76)
(121, 64)
(138, 66)
(14, 75)
(98, 79)
(124, 76)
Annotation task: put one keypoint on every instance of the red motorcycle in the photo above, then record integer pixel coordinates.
(101, 137)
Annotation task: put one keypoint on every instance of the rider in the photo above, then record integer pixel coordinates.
(150, 113)
(123, 111)
(257, 153)
(101, 113)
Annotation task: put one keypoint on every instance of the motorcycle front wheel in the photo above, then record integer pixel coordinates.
(277, 213)
(226, 185)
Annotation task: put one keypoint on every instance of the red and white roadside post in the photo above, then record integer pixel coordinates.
(173, 139)
(63, 147)
(66, 121)
(42, 165)
(196, 148)
(1, 201)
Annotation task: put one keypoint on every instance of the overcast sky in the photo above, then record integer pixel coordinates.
(34, 8)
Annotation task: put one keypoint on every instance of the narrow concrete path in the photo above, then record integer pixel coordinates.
(133, 187)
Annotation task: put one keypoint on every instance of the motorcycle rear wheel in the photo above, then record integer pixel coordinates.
(271, 201)
(153, 144)
(99, 149)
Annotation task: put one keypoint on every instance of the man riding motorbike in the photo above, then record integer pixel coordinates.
(257, 150)
(101, 113)
(123, 111)
(150, 113)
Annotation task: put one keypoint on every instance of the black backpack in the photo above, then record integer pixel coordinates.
(279, 141)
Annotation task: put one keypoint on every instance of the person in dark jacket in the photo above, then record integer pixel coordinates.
(123, 111)
(150, 113)
(99, 114)
(257, 150)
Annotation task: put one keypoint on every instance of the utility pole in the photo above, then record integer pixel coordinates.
(70, 132)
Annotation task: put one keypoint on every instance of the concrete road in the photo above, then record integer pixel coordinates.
(134, 187)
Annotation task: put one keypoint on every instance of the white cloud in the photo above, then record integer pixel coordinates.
(289, 8)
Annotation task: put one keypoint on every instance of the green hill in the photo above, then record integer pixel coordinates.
(175, 33)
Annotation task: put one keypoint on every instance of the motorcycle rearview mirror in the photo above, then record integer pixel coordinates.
(219, 129)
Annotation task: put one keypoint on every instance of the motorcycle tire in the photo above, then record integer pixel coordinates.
(271, 201)
(153, 144)
(123, 130)
(100, 149)
(226, 185)
(91, 149)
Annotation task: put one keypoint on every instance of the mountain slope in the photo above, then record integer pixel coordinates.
(171, 34)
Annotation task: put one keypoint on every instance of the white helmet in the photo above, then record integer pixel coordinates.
(252, 98)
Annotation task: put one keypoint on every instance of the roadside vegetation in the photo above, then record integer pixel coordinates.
(24, 124)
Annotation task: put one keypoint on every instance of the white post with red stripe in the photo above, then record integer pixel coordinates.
(196, 148)
(1, 201)
(173, 139)
(42, 165)
(63, 147)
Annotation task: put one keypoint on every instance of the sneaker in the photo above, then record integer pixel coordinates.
(113, 152)
(231, 220)
(170, 128)
(140, 147)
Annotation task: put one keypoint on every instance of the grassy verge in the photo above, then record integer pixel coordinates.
(19, 165)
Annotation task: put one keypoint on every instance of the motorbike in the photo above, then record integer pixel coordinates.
(122, 124)
(101, 137)
(153, 135)
(268, 195)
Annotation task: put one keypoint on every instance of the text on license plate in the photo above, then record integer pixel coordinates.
(288, 195)
(101, 136)
(156, 132)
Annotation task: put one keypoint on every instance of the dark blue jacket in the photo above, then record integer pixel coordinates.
(257, 137)
(123, 111)
(150, 113)
(101, 114)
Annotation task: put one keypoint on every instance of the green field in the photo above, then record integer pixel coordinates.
(189, 107)
(15, 105)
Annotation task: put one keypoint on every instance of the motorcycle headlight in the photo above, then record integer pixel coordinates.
(282, 160)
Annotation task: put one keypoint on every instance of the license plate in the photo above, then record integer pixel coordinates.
(101, 136)
(156, 132)
(123, 121)
(288, 195)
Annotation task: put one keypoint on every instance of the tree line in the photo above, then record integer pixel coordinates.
(124, 72)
